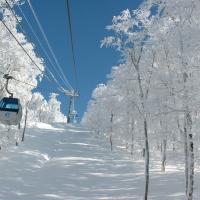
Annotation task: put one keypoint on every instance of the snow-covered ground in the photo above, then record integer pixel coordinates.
(68, 163)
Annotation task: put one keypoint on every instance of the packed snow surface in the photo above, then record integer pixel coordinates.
(68, 163)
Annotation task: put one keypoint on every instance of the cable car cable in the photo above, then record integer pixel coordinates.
(22, 47)
(43, 49)
(48, 44)
(29, 84)
(16, 17)
(11, 9)
(71, 107)
(24, 50)
(32, 44)
(72, 42)
(60, 88)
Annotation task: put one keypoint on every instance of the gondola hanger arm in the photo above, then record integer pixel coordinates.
(8, 77)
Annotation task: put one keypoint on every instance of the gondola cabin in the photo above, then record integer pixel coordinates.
(10, 111)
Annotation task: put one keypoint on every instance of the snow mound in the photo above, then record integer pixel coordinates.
(41, 125)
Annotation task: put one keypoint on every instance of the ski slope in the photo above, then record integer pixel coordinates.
(68, 163)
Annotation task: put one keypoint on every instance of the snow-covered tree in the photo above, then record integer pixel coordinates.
(41, 110)
(19, 59)
(13, 59)
(53, 111)
(157, 82)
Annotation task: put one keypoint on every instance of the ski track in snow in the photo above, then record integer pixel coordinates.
(70, 164)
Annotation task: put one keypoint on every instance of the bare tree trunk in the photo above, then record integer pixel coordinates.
(186, 158)
(163, 127)
(187, 128)
(189, 153)
(146, 160)
(111, 143)
(111, 130)
(132, 136)
(164, 145)
(173, 145)
(143, 97)
(190, 157)
(143, 152)
(40, 118)
(191, 168)
(188, 143)
(132, 144)
(26, 115)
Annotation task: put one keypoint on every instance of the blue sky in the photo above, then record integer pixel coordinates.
(89, 19)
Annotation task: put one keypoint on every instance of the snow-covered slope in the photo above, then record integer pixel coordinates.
(68, 163)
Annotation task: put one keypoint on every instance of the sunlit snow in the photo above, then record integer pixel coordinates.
(73, 164)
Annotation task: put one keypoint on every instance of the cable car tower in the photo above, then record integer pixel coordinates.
(72, 113)
(72, 94)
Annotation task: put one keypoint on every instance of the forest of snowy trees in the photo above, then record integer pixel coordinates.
(151, 99)
(26, 73)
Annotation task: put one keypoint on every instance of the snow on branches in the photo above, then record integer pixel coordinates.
(15, 62)
(158, 82)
